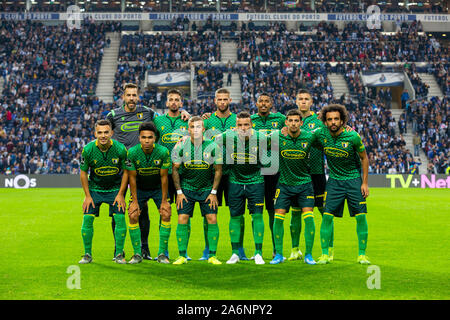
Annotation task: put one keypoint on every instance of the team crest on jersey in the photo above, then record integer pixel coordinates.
(157, 162)
(206, 155)
(311, 125)
(274, 124)
(254, 149)
(232, 128)
(139, 115)
(183, 128)
(115, 160)
(304, 145)
(344, 144)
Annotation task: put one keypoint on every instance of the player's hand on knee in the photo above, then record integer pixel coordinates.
(165, 210)
(213, 203)
(120, 200)
(88, 201)
(180, 199)
(365, 190)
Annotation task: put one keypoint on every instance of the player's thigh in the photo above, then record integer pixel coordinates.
(172, 191)
(189, 205)
(255, 196)
(305, 195)
(355, 200)
(205, 207)
(109, 197)
(270, 187)
(98, 200)
(319, 182)
(335, 197)
(283, 197)
(236, 199)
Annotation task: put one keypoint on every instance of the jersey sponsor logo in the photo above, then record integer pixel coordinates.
(196, 165)
(106, 171)
(130, 126)
(293, 154)
(337, 153)
(238, 156)
(344, 144)
(148, 171)
(171, 137)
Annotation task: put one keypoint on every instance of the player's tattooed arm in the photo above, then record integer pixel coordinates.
(176, 182)
(365, 167)
(88, 201)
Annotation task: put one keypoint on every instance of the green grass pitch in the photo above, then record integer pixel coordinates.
(408, 241)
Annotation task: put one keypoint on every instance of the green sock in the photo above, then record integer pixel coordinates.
(242, 231)
(278, 231)
(188, 230)
(332, 235)
(296, 227)
(87, 232)
(271, 220)
(325, 232)
(235, 230)
(362, 232)
(213, 238)
(310, 230)
(205, 232)
(164, 234)
(135, 236)
(120, 232)
(182, 238)
(258, 231)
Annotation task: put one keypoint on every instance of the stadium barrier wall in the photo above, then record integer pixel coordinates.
(27, 181)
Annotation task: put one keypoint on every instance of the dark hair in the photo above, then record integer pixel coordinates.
(103, 122)
(148, 126)
(243, 115)
(303, 91)
(129, 85)
(175, 91)
(334, 108)
(294, 112)
(264, 93)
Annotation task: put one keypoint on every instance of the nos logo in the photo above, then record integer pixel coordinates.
(20, 182)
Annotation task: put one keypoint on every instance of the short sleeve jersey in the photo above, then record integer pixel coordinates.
(316, 156)
(342, 153)
(105, 168)
(268, 124)
(197, 164)
(148, 166)
(126, 124)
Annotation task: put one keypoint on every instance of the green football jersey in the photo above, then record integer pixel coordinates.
(215, 125)
(170, 130)
(294, 158)
(316, 156)
(342, 153)
(244, 157)
(197, 164)
(268, 124)
(148, 166)
(105, 168)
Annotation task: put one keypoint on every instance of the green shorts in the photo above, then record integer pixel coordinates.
(338, 191)
(193, 197)
(238, 193)
(301, 196)
(145, 195)
(104, 197)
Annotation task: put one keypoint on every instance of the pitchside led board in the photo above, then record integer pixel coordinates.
(23, 181)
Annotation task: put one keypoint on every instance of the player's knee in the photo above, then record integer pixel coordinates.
(183, 218)
(166, 216)
(211, 218)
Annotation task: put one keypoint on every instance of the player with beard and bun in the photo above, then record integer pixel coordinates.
(346, 155)
(125, 121)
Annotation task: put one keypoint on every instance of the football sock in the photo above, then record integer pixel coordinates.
(296, 227)
(213, 238)
(135, 236)
(164, 234)
(278, 231)
(144, 226)
(205, 232)
(87, 232)
(242, 231)
(235, 230)
(182, 238)
(188, 232)
(332, 235)
(325, 232)
(258, 231)
(362, 232)
(310, 230)
(271, 218)
(120, 232)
